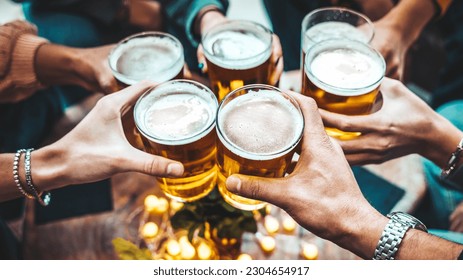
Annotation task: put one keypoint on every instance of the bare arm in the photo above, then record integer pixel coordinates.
(94, 150)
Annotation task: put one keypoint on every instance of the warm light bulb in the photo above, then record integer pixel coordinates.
(173, 248)
(151, 202)
(268, 209)
(150, 230)
(162, 205)
(204, 251)
(309, 251)
(289, 225)
(188, 252)
(268, 244)
(244, 257)
(271, 224)
(175, 205)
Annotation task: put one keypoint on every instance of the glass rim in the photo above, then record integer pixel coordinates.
(344, 10)
(237, 21)
(344, 41)
(181, 141)
(261, 156)
(145, 34)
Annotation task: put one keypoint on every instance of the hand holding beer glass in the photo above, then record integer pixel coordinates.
(237, 53)
(258, 127)
(343, 76)
(177, 120)
(153, 56)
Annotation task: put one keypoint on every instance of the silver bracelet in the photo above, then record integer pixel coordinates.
(453, 161)
(17, 180)
(27, 168)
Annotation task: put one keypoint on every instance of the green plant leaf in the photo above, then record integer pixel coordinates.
(126, 250)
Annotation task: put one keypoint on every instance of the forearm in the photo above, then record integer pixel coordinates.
(409, 17)
(419, 245)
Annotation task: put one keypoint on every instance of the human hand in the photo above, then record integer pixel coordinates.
(456, 219)
(404, 125)
(321, 194)
(390, 41)
(97, 148)
(88, 68)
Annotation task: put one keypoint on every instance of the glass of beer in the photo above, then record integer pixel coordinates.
(176, 120)
(334, 23)
(154, 56)
(343, 76)
(237, 54)
(258, 127)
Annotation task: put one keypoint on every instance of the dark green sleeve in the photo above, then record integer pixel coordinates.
(183, 13)
(104, 11)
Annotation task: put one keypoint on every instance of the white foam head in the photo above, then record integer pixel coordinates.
(346, 68)
(238, 45)
(176, 113)
(334, 30)
(153, 56)
(261, 124)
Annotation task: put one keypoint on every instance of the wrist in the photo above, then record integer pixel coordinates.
(410, 27)
(361, 231)
(442, 141)
(208, 18)
(48, 168)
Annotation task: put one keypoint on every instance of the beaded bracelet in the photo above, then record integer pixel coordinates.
(27, 168)
(17, 158)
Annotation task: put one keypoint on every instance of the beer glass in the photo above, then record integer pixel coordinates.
(154, 56)
(237, 54)
(343, 76)
(177, 120)
(258, 127)
(333, 23)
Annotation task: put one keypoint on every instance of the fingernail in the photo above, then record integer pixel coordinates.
(175, 169)
(200, 66)
(233, 184)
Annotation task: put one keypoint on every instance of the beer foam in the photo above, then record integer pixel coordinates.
(261, 124)
(346, 68)
(178, 112)
(236, 50)
(158, 59)
(333, 30)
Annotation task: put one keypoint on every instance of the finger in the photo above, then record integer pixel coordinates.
(265, 189)
(309, 109)
(202, 65)
(370, 143)
(363, 123)
(277, 71)
(139, 161)
(457, 224)
(127, 97)
(364, 158)
(393, 72)
(108, 84)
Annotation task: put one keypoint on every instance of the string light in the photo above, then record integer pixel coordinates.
(309, 251)
(289, 225)
(271, 224)
(244, 257)
(150, 230)
(204, 251)
(151, 202)
(268, 244)
(173, 248)
(188, 252)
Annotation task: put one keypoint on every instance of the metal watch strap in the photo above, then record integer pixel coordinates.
(390, 240)
(393, 233)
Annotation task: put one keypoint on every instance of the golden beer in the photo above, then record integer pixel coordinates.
(334, 23)
(237, 54)
(154, 56)
(258, 127)
(177, 120)
(343, 76)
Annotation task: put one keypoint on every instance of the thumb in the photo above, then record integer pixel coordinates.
(149, 164)
(265, 189)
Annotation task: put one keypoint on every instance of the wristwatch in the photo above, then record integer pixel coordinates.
(394, 232)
